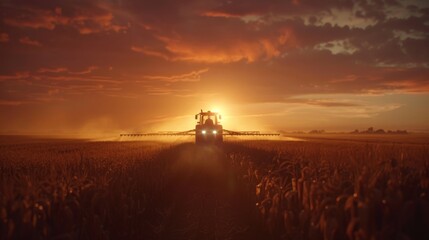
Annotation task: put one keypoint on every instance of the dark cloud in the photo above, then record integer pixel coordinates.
(85, 16)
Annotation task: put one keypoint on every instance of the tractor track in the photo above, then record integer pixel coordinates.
(203, 199)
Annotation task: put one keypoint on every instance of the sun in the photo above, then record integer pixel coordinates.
(220, 108)
(217, 110)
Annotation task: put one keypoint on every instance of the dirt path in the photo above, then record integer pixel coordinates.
(203, 199)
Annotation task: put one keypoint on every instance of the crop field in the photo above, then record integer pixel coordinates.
(319, 188)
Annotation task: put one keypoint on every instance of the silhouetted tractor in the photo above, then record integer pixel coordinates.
(208, 128)
(207, 131)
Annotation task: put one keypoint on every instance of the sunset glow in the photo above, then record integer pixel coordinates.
(103, 67)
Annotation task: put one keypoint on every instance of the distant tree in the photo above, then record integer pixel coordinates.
(380, 131)
(317, 131)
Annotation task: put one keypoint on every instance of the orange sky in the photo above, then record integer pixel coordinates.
(112, 66)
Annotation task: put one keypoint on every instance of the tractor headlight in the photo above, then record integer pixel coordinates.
(203, 131)
(214, 131)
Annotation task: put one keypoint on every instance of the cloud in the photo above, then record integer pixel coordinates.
(185, 48)
(193, 76)
(133, 53)
(251, 31)
(343, 105)
(54, 84)
(32, 18)
(162, 91)
(52, 70)
(149, 52)
(409, 86)
(88, 70)
(322, 102)
(218, 14)
(85, 18)
(368, 111)
(28, 41)
(236, 50)
(16, 76)
(337, 47)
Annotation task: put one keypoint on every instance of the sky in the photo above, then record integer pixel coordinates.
(87, 67)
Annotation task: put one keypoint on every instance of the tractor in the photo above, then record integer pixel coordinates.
(207, 131)
(208, 128)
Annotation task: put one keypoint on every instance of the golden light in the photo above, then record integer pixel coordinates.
(217, 110)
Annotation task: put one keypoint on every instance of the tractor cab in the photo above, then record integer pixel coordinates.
(208, 128)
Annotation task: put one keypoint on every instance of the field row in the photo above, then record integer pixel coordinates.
(133, 190)
(78, 190)
(325, 190)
